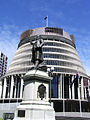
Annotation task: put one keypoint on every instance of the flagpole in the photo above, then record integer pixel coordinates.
(47, 22)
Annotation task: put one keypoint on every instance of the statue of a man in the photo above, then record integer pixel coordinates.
(37, 54)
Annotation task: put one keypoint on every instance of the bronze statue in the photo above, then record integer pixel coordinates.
(37, 54)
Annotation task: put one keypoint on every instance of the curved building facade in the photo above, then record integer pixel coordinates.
(60, 52)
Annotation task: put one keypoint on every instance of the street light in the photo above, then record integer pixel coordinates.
(50, 71)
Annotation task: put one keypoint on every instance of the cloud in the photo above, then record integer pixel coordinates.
(83, 48)
(9, 39)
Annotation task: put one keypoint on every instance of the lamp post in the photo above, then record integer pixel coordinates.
(50, 71)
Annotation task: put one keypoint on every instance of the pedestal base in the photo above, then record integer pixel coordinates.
(34, 110)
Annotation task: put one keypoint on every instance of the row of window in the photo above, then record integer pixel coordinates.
(3, 63)
(22, 70)
(3, 67)
(56, 38)
(23, 51)
(60, 63)
(48, 49)
(65, 70)
(54, 30)
(26, 56)
(56, 69)
(23, 63)
(49, 62)
(55, 44)
(4, 59)
(24, 41)
(71, 106)
(58, 56)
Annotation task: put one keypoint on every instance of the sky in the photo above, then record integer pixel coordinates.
(73, 16)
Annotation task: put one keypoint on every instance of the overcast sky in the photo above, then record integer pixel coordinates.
(73, 16)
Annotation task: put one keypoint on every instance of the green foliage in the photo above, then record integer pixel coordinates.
(1, 118)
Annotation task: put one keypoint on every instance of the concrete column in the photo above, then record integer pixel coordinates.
(61, 86)
(82, 89)
(4, 88)
(8, 85)
(21, 90)
(12, 83)
(0, 88)
(69, 88)
(15, 88)
(58, 87)
(85, 93)
(89, 91)
(73, 92)
(88, 87)
(63, 95)
(78, 90)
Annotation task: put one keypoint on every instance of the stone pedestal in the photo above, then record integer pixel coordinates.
(35, 105)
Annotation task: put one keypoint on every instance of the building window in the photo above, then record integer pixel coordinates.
(66, 86)
(54, 87)
(21, 113)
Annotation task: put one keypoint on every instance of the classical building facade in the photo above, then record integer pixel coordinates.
(60, 52)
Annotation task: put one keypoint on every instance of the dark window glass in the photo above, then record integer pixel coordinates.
(54, 30)
(72, 106)
(21, 113)
(58, 50)
(58, 106)
(54, 87)
(66, 86)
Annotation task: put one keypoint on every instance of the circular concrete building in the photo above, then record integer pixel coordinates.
(60, 52)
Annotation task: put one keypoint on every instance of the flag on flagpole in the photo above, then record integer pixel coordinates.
(75, 80)
(45, 17)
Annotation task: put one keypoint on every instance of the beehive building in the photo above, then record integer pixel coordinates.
(60, 52)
